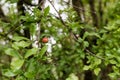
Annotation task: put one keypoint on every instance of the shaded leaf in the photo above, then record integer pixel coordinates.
(31, 69)
(29, 74)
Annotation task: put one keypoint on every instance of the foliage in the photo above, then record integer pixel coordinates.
(80, 46)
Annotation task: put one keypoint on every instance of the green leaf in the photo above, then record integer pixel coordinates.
(112, 75)
(22, 44)
(97, 61)
(13, 52)
(90, 34)
(31, 52)
(31, 69)
(29, 74)
(113, 61)
(9, 73)
(15, 46)
(20, 78)
(72, 76)
(86, 44)
(86, 67)
(46, 10)
(43, 50)
(32, 29)
(80, 40)
(16, 63)
(13, 1)
(96, 71)
(18, 38)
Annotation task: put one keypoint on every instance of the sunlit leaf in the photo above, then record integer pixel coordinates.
(16, 63)
(90, 34)
(43, 50)
(18, 38)
(86, 67)
(22, 44)
(112, 75)
(96, 71)
(97, 61)
(12, 52)
(29, 74)
(31, 52)
(46, 10)
(9, 72)
(20, 78)
(86, 44)
(113, 61)
(72, 76)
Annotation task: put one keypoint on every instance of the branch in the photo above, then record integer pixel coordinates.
(62, 21)
(74, 35)
(94, 54)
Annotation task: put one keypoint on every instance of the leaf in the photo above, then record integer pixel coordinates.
(31, 69)
(32, 29)
(12, 1)
(46, 10)
(72, 76)
(20, 78)
(86, 67)
(43, 50)
(112, 75)
(22, 44)
(30, 52)
(97, 61)
(96, 71)
(90, 34)
(86, 44)
(113, 61)
(12, 52)
(18, 38)
(16, 63)
(9, 73)
(29, 74)
(15, 46)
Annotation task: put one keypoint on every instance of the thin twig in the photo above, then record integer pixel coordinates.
(62, 21)
(94, 54)
(58, 14)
